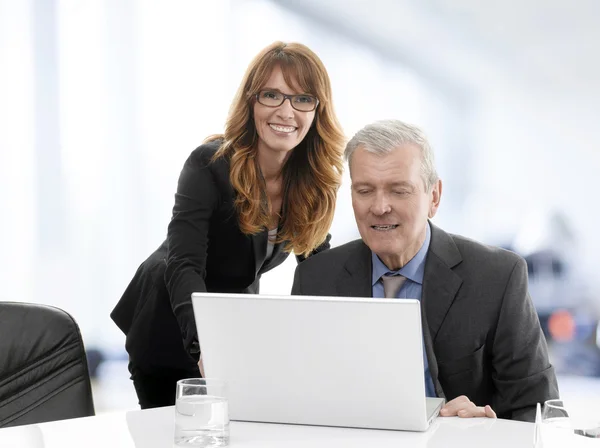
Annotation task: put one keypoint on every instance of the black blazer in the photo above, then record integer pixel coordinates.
(205, 250)
(482, 334)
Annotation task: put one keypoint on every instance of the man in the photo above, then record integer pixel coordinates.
(485, 351)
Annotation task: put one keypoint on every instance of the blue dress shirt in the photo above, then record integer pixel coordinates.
(411, 289)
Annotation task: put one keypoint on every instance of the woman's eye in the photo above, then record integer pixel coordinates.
(270, 95)
(304, 99)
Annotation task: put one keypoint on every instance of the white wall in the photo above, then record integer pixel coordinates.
(536, 153)
(17, 181)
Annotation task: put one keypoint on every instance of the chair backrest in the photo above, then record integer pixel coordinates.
(43, 368)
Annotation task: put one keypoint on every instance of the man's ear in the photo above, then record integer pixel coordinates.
(436, 196)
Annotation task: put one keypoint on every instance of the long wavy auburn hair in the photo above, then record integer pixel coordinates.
(311, 175)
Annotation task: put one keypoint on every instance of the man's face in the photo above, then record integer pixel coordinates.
(390, 203)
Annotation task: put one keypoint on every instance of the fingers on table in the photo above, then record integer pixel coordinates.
(453, 407)
(465, 408)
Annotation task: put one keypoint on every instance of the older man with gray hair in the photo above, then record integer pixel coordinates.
(485, 351)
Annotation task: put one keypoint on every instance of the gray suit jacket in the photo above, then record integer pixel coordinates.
(482, 334)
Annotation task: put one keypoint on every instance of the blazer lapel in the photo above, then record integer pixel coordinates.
(355, 279)
(440, 285)
(277, 250)
(276, 258)
(259, 246)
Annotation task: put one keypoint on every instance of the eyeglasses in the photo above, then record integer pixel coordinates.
(273, 98)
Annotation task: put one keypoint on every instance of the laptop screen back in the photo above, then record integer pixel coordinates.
(316, 360)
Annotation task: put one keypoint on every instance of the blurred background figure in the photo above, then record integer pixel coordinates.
(561, 293)
(99, 106)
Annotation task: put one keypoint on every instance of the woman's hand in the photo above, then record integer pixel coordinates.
(201, 366)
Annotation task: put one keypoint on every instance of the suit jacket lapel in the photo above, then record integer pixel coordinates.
(355, 279)
(440, 285)
(440, 282)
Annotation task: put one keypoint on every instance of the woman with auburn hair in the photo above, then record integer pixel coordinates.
(244, 201)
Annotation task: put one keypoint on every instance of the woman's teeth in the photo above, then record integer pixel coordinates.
(282, 128)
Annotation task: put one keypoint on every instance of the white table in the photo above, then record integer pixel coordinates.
(154, 429)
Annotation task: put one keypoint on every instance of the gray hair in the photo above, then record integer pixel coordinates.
(382, 137)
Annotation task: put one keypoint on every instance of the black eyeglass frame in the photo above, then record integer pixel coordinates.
(288, 97)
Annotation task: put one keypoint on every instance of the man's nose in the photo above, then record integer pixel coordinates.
(381, 205)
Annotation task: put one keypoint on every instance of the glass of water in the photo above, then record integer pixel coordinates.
(556, 428)
(201, 413)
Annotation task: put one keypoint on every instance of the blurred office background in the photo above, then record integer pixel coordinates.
(101, 101)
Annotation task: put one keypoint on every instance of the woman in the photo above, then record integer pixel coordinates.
(244, 200)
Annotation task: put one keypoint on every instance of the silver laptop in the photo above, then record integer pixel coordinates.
(317, 360)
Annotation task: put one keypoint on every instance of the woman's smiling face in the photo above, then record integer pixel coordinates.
(280, 129)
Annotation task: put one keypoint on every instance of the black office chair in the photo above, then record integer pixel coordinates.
(43, 369)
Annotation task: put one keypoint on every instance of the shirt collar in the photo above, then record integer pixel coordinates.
(413, 270)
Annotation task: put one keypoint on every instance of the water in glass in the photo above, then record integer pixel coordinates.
(201, 421)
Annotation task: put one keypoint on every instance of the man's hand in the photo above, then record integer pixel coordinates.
(201, 367)
(465, 408)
